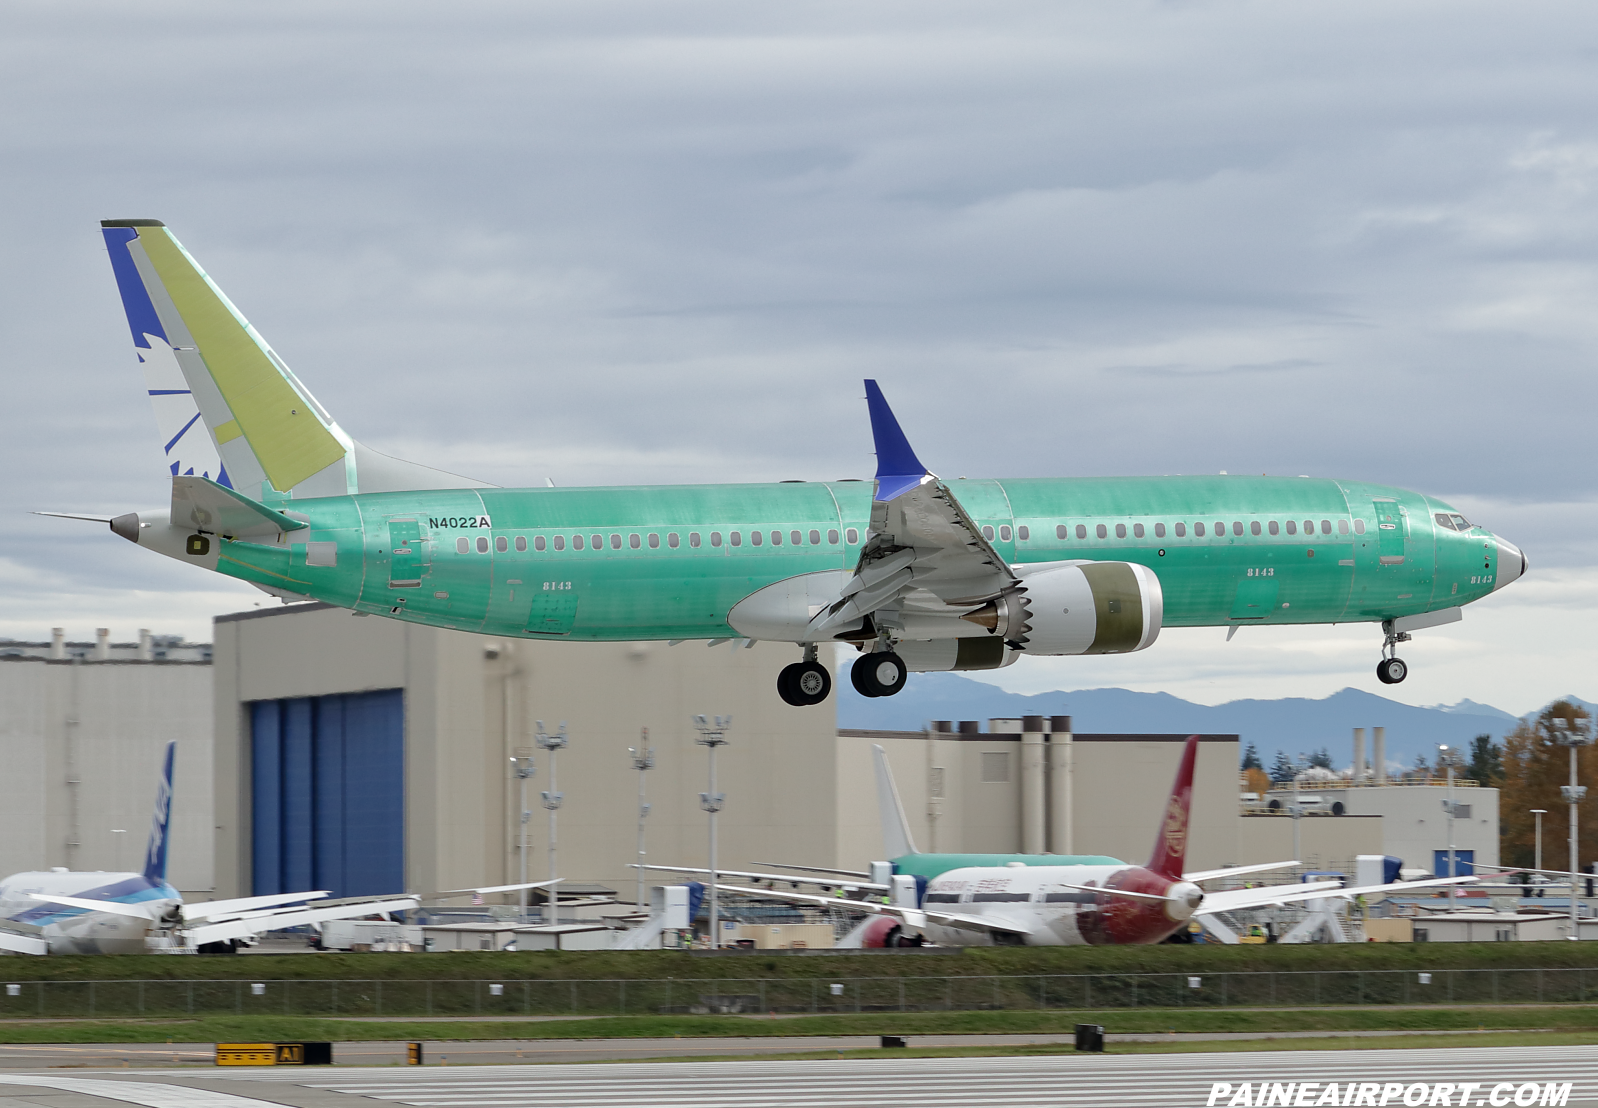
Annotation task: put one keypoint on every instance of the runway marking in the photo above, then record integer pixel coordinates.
(150, 1094)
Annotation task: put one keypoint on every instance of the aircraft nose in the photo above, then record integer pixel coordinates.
(1512, 564)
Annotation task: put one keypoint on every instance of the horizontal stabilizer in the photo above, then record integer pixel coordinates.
(208, 506)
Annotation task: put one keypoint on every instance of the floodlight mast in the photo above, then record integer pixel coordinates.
(1570, 733)
(1450, 759)
(522, 766)
(713, 734)
(643, 756)
(552, 798)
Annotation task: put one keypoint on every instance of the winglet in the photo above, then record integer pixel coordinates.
(1170, 848)
(898, 468)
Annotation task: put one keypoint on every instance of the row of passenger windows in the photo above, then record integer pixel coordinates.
(502, 544)
(1200, 529)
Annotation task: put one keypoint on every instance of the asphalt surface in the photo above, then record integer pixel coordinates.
(1101, 1081)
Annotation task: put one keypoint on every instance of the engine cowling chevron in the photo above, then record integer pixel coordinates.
(1083, 608)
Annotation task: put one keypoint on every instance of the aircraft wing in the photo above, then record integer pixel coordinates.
(914, 917)
(145, 910)
(1235, 899)
(256, 923)
(923, 554)
(818, 869)
(22, 938)
(791, 879)
(486, 889)
(1234, 871)
(210, 909)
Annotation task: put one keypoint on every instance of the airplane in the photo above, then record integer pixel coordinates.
(59, 911)
(917, 573)
(1099, 903)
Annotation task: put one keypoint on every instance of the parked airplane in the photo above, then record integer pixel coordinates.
(1017, 904)
(60, 911)
(917, 573)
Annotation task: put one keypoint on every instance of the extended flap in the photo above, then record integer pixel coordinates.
(213, 508)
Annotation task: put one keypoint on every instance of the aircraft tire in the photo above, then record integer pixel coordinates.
(874, 664)
(810, 682)
(1391, 671)
(861, 682)
(788, 685)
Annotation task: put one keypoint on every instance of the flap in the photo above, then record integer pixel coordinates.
(213, 508)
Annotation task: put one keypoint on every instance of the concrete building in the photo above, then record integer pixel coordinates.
(1413, 819)
(83, 728)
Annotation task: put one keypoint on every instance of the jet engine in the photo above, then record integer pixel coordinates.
(1077, 608)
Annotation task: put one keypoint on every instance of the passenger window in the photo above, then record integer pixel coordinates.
(1342, 527)
(815, 538)
(1101, 531)
(832, 535)
(672, 540)
(521, 544)
(776, 538)
(577, 542)
(1220, 528)
(1359, 527)
(755, 538)
(1137, 530)
(615, 542)
(987, 533)
(1198, 530)
(538, 543)
(852, 535)
(462, 546)
(1004, 533)
(715, 538)
(560, 542)
(1120, 530)
(1292, 528)
(1059, 531)
(1275, 528)
(693, 540)
(1022, 533)
(482, 544)
(632, 541)
(736, 538)
(1081, 531)
(1253, 526)
(1159, 530)
(795, 538)
(598, 541)
(654, 541)
(1309, 527)
(1181, 530)
(501, 544)
(1326, 527)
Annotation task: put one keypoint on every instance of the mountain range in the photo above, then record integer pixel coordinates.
(1295, 725)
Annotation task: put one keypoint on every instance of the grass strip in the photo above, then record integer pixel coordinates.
(1571, 1018)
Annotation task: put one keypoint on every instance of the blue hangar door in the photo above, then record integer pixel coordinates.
(327, 792)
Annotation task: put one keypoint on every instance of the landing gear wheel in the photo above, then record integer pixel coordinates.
(880, 674)
(804, 683)
(1391, 671)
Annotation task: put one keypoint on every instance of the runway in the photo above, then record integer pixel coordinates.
(1101, 1081)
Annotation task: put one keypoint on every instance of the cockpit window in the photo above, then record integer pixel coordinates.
(1461, 523)
(1444, 520)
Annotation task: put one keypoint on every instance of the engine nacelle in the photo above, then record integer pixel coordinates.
(1082, 608)
(940, 655)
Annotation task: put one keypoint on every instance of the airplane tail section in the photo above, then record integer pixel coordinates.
(155, 853)
(228, 407)
(896, 840)
(1170, 848)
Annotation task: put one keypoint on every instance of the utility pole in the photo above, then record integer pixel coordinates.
(1538, 814)
(1569, 733)
(522, 766)
(643, 756)
(713, 734)
(1450, 759)
(552, 798)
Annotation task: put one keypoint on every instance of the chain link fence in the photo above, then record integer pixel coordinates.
(489, 999)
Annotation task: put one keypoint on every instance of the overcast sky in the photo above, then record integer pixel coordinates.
(660, 242)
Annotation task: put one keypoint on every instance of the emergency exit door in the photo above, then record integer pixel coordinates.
(407, 553)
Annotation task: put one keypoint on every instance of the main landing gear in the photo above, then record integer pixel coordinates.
(880, 673)
(804, 683)
(1392, 669)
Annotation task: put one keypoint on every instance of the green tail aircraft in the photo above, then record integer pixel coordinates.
(918, 573)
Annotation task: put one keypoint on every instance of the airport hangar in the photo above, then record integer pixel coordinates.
(318, 749)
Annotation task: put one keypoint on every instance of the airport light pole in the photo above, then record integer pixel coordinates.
(522, 766)
(1450, 760)
(1537, 815)
(643, 756)
(552, 798)
(1569, 733)
(713, 734)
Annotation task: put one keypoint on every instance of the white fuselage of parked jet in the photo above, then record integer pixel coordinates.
(73, 930)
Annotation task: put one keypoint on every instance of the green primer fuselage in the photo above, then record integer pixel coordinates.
(450, 572)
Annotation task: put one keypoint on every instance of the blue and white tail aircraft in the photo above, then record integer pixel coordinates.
(59, 911)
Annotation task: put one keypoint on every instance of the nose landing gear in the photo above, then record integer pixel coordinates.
(1392, 669)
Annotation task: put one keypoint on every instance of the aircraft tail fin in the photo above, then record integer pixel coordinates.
(155, 853)
(896, 840)
(227, 406)
(1170, 847)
